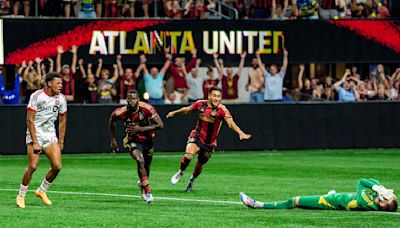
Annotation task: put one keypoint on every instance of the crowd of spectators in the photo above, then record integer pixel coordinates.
(352, 86)
(200, 9)
(184, 81)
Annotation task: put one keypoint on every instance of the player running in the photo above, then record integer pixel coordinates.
(203, 138)
(370, 196)
(140, 120)
(43, 108)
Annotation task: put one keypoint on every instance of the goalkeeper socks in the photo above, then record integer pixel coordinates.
(184, 163)
(22, 190)
(44, 186)
(288, 204)
(145, 184)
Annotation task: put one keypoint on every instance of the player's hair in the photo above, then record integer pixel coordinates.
(50, 76)
(132, 91)
(392, 206)
(214, 88)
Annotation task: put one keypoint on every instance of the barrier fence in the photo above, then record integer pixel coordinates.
(273, 126)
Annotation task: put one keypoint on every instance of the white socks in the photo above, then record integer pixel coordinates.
(22, 190)
(44, 186)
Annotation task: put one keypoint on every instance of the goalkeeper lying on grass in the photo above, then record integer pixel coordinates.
(370, 196)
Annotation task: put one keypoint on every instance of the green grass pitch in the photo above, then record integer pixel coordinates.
(99, 190)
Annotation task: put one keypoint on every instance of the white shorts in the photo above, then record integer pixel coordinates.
(44, 140)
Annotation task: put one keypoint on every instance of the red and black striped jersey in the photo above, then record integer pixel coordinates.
(142, 117)
(209, 122)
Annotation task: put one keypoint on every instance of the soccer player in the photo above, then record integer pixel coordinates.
(43, 108)
(203, 138)
(140, 120)
(370, 196)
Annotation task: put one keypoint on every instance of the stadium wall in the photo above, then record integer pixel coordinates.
(273, 126)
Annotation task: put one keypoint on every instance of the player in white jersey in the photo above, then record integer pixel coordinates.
(45, 105)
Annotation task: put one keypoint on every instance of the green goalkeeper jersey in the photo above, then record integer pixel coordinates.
(363, 199)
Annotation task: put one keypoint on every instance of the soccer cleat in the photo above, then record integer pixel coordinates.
(249, 202)
(189, 186)
(43, 197)
(149, 198)
(143, 194)
(175, 178)
(20, 201)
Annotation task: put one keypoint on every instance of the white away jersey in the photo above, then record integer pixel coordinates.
(47, 109)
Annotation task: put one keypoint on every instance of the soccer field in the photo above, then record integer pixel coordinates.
(99, 190)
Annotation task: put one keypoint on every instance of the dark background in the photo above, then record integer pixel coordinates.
(273, 126)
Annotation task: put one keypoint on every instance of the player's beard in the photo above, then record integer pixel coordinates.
(132, 108)
(213, 103)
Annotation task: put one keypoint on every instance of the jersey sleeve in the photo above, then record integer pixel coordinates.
(152, 111)
(119, 113)
(366, 183)
(225, 112)
(63, 106)
(33, 102)
(365, 196)
(195, 106)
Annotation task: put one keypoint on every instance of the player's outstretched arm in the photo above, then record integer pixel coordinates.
(62, 126)
(111, 124)
(232, 125)
(182, 111)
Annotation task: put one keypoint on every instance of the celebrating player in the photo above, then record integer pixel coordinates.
(43, 108)
(204, 137)
(370, 196)
(141, 120)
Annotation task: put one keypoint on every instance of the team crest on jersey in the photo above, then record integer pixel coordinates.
(141, 116)
(213, 113)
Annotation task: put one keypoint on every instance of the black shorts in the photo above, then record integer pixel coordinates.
(205, 151)
(147, 148)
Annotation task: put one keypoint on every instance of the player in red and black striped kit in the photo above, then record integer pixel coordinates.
(140, 120)
(203, 138)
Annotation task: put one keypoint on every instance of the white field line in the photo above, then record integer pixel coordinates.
(131, 196)
(162, 198)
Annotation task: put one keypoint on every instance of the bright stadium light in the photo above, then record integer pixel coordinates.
(146, 96)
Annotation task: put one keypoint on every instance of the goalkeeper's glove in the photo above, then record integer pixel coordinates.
(382, 191)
